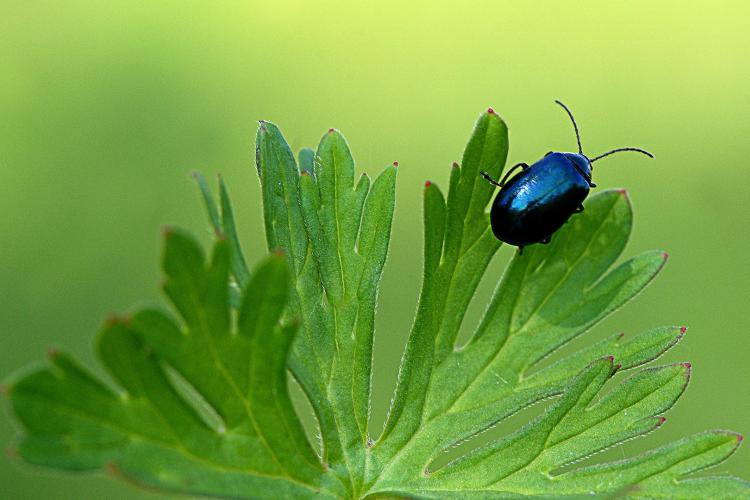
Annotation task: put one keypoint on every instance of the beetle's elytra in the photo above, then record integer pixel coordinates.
(539, 199)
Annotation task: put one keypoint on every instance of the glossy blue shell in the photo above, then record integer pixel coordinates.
(536, 202)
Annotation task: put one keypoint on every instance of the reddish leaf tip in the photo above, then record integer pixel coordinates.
(620, 335)
(305, 173)
(11, 453)
(112, 469)
(740, 438)
(683, 329)
(661, 420)
(427, 184)
(490, 111)
(331, 130)
(52, 352)
(623, 192)
(665, 255)
(395, 164)
(166, 231)
(278, 252)
(611, 358)
(616, 367)
(115, 319)
(455, 165)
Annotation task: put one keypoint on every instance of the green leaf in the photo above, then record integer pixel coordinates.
(144, 428)
(200, 404)
(222, 222)
(306, 160)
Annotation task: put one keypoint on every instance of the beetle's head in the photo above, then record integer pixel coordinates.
(581, 163)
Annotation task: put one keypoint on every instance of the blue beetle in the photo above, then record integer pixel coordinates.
(535, 203)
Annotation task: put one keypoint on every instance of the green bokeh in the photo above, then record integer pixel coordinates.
(105, 107)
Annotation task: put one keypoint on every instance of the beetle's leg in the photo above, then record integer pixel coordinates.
(522, 166)
(489, 179)
(546, 240)
(579, 209)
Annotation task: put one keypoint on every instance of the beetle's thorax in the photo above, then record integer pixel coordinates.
(581, 163)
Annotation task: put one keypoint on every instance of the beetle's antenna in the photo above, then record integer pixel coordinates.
(578, 137)
(618, 150)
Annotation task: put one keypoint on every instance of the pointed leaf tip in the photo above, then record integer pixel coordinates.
(395, 164)
(490, 111)
(116, 319)
(683, 329)
(427, 184)
(110, 468)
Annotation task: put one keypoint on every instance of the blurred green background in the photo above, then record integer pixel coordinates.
(105, 108)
